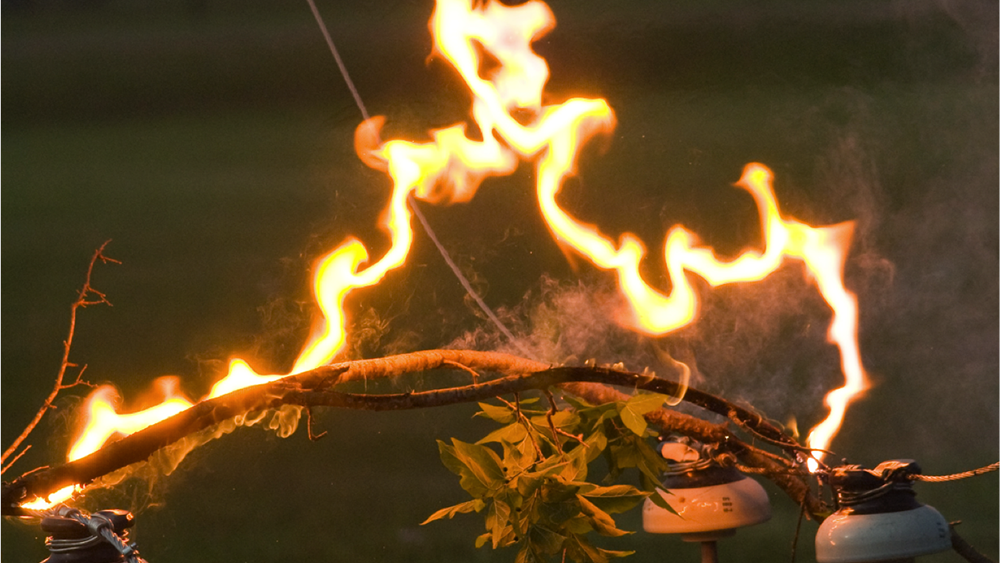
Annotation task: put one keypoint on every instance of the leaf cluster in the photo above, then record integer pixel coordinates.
(530, 476)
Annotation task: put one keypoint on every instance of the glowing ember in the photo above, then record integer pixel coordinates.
(451, 167)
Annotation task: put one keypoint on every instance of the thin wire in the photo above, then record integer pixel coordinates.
(956, 476)
(336, 57)
(464, 281)
(410, 199)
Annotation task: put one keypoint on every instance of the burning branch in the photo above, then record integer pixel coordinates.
(315, 388)
(85, 297)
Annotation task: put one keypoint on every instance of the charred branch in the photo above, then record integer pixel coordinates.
(315, 389)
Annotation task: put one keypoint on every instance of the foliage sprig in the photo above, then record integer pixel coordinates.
(530, 476)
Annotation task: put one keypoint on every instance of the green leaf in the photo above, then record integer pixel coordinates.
(614, 554)
(547, 541)
(577, 403)
(565, 419)
(474, 505)
(658, 499)
(581, 550)
(634, 422)
(529, 553)
(650, 462)
(496, 520)
(603, 412)
(512, 433)
(484, 462)
(482, 539)
(615, 499)
(603, 523)
(576, 469)
(518, 458)
(637, 405)
(449, 458)
(625, 453)
(579, 525)
(596, 442)
(527, 484)
(633, 451)
(644, 403)
(527, 514)
(503, 415)
(555, 491)
(478, 467)
(538, 544)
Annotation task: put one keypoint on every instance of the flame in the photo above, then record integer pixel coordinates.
(558, 134)
(104, 421)
(451, 167)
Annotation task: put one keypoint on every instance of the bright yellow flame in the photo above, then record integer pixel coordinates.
(557, 135)
(451, 168)
(61, 495)
(104, 422)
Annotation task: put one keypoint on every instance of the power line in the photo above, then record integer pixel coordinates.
(410, 199)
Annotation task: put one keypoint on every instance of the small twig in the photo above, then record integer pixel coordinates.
(475, 374)
(964, 549)
(780, 459)
(85, 297)
(17, 457)
(548, 416)
(798, 528)
(79, 379)
(732, 415)
(523, 420)
(309, 426)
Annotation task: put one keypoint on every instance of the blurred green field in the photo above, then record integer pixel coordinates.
(212, 141)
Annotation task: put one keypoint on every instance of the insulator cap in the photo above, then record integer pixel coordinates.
(859, 538)
(879, 517)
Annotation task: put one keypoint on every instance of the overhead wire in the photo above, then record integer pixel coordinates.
(956, 476)
(412, 200)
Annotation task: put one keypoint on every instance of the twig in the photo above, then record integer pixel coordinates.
(309, 427)
(17, 457)
(964, 549)
(750, 429)
(85, 297)
(463, 367)
(548, 416)
(798, 528)
(524, 421)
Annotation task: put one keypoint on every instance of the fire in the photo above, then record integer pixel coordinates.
(451, 167)
(104, 421)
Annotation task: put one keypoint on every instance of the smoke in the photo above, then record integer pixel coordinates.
(760, 344)
(916, 172)
(559, 322)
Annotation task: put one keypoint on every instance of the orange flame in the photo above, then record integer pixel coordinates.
(451, 168)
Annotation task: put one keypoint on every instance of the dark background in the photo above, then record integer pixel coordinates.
(212, 141)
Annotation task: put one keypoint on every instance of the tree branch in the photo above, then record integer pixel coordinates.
(86, 296)
(315, 388)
